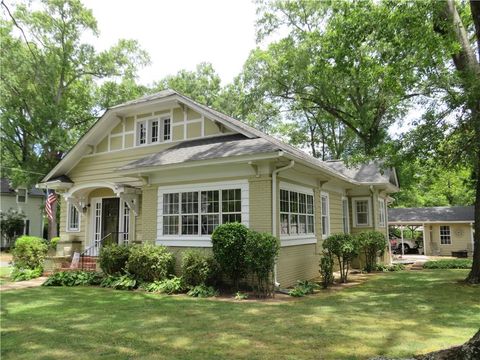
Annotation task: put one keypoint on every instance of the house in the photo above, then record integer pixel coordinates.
(24, 200)
(445, 229)
(168, 170)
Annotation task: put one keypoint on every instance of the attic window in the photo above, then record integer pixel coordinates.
(21, 196)
(153, 131)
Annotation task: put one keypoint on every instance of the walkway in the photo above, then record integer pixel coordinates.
(23, 284)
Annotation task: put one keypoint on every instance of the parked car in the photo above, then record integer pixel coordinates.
(396, 244)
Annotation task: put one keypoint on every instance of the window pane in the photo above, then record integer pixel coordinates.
(209, 223)
(324, 205)
(209, 201)
(170, 225)
(166, 129)
(302, 203)
(142, 132)
(293, 224)
(284, 201)
(293, 202)
(362, 218)
(310, 227)
(190, 202)
(21, 195)
(284, 223)
(309, 204)
(154, 131)
(231, 200)
(302, 224)
(231, 218)
(189, 224)
(170, 203)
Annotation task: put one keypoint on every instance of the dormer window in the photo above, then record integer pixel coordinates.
(21, 196)
(153, 131)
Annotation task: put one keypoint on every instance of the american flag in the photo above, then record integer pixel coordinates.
(51, 198)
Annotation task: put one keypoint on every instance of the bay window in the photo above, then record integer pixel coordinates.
(361, 211)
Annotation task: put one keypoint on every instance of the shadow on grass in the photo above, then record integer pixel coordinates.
(392, 314)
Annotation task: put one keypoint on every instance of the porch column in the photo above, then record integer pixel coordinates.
(424, 240)
(401, 234)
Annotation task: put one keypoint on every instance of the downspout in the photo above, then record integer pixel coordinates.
(274, 209)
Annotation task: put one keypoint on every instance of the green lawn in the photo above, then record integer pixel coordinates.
(392, 314)
(5, 274)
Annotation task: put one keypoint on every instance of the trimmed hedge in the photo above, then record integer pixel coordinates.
(448, 264)
(29, 252)
(150, 262)
(113, 258)
(198, 268)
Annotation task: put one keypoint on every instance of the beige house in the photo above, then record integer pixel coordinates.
(447, 231)
(30, 202)
(167, 170)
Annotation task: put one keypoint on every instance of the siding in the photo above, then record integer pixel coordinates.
(148, 221)
(297, 263)
(260, 208)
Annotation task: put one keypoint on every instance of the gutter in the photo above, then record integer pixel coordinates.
(274, 209)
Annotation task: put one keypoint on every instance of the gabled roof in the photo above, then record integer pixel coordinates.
(75, 154)
(6, 188)
(432, 214)
(204, 149)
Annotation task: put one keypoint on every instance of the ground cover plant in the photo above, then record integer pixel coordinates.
(358, 322)
(449, 264)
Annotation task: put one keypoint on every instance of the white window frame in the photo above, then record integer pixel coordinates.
(381, 212)
(369, 211)
(198, 240)
(26, 196)
(296, 239)
(148, 124)
(70, 206)
(345, 215)
(325, 231)
(449, 234)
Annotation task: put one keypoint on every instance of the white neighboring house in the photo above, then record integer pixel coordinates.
(28, 201)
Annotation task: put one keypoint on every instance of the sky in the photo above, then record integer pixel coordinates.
(179, 34)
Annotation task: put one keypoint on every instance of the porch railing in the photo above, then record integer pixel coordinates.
(94, 249)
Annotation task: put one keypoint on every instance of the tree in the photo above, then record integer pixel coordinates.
(365, 62)
(48, 82)
(12, 224)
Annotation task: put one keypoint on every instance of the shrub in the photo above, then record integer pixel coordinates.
(53, 243)
(25, 274)
(387, 268)
(373, 244)
(73, 278)
(113, 258)
(344, 247)
(261, 253)
(229, 250)
(174, 285)
(240, 296)
(29, 252)
(303, 288)
(202, 291)
(150, 262)
(448, 264)
(198, 268)
(326, 270)
(122, 282)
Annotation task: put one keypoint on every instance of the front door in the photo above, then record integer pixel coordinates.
(110, 219)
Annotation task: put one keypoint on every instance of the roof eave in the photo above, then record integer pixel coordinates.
(196, 163)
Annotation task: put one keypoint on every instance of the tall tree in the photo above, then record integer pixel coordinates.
(48, 82)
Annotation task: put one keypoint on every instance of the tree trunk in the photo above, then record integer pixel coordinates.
(468, 67)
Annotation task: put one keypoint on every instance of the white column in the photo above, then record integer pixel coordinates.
(401, 233)
(424, 240)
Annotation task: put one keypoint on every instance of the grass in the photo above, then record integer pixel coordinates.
(392, 314)
(449, 264)
(5, 272)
